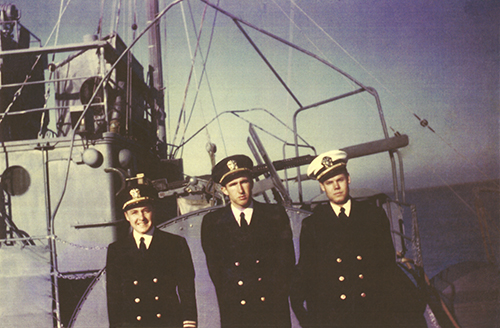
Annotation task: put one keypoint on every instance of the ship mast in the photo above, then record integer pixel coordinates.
(157, 73)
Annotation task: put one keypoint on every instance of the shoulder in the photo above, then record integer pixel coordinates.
(122, 242)
(319, 213)
(367, 207)
(369, 212)
(268, 208)
(170, 239)
(272, 212)
(167, 235)
(217, 213)
(321, 210)
(120, 249)
(216, 218)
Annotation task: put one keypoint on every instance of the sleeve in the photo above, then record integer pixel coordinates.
(208, 243)
(301, 278)
(387, 252)
(186, 288)
(286, 253)
(384, 265)
(113, 287)
(284, 258)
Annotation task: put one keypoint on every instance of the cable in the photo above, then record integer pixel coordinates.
(235, 113)
(204, 73)
(423, 122)
(101, 83)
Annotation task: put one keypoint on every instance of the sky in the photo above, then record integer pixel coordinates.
(438, 60)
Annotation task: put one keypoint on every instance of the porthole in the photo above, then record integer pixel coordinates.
(15, 180)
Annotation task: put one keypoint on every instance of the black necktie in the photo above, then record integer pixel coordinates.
(342, 215)
(142, 247)
(243, 221)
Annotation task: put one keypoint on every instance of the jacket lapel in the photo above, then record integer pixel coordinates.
(227, 218)
(258, 214)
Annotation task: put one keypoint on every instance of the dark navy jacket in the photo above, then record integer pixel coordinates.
(345, 269)
(155, 290)
(251, 270)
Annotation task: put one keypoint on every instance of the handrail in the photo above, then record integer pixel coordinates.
(54, 49)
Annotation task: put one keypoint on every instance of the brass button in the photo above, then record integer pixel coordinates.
(158, 315)
(361, 276)
(136, 282)
(137, 300)
(341, 278)
(155, 280)
(139, 318)
(237, 263)
(240, 282)
(243, 302)
(339, 260)
(156, 298)
(262, 298)
(359, 258)
(363, 295)
(343, 297)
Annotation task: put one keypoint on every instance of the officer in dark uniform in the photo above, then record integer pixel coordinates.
(249, 251)
(347, 258)
(150, 274)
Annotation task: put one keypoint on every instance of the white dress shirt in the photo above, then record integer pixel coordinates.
(237, 213)
(148, 237)
(346, 206)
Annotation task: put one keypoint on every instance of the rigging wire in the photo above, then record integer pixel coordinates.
(58, 25)
(423, 122)
(28, 76)
(235, 113)
(113, 17)
(118, 14)
(196, 80)
(99, 25)
(204, 73)
(167, 88)
(44, 120)
(134, 20)
(182, 113)
(290, 51)
(101, 83)
(292, 22)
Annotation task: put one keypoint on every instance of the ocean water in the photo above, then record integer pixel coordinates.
(450, 227)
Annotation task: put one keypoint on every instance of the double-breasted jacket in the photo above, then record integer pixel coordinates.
(154, 289)
(345, 269)
(251, 269)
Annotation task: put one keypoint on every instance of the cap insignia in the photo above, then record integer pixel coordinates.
(135, 193)
(232, 165)
(327, 161)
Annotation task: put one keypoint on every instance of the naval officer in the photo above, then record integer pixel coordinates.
(249, 251)
(150, 274)
(347, 257)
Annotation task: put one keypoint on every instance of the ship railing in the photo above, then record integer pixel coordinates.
(112, 49)
(360, 88)
(390, 144)
(11, 240)
(396, 215)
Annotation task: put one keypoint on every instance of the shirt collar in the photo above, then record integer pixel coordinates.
(346, 206)
(247, 210)
(148, 237)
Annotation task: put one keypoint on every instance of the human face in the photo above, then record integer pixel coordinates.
(140, 218)
(337, 188)
(239, 191)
